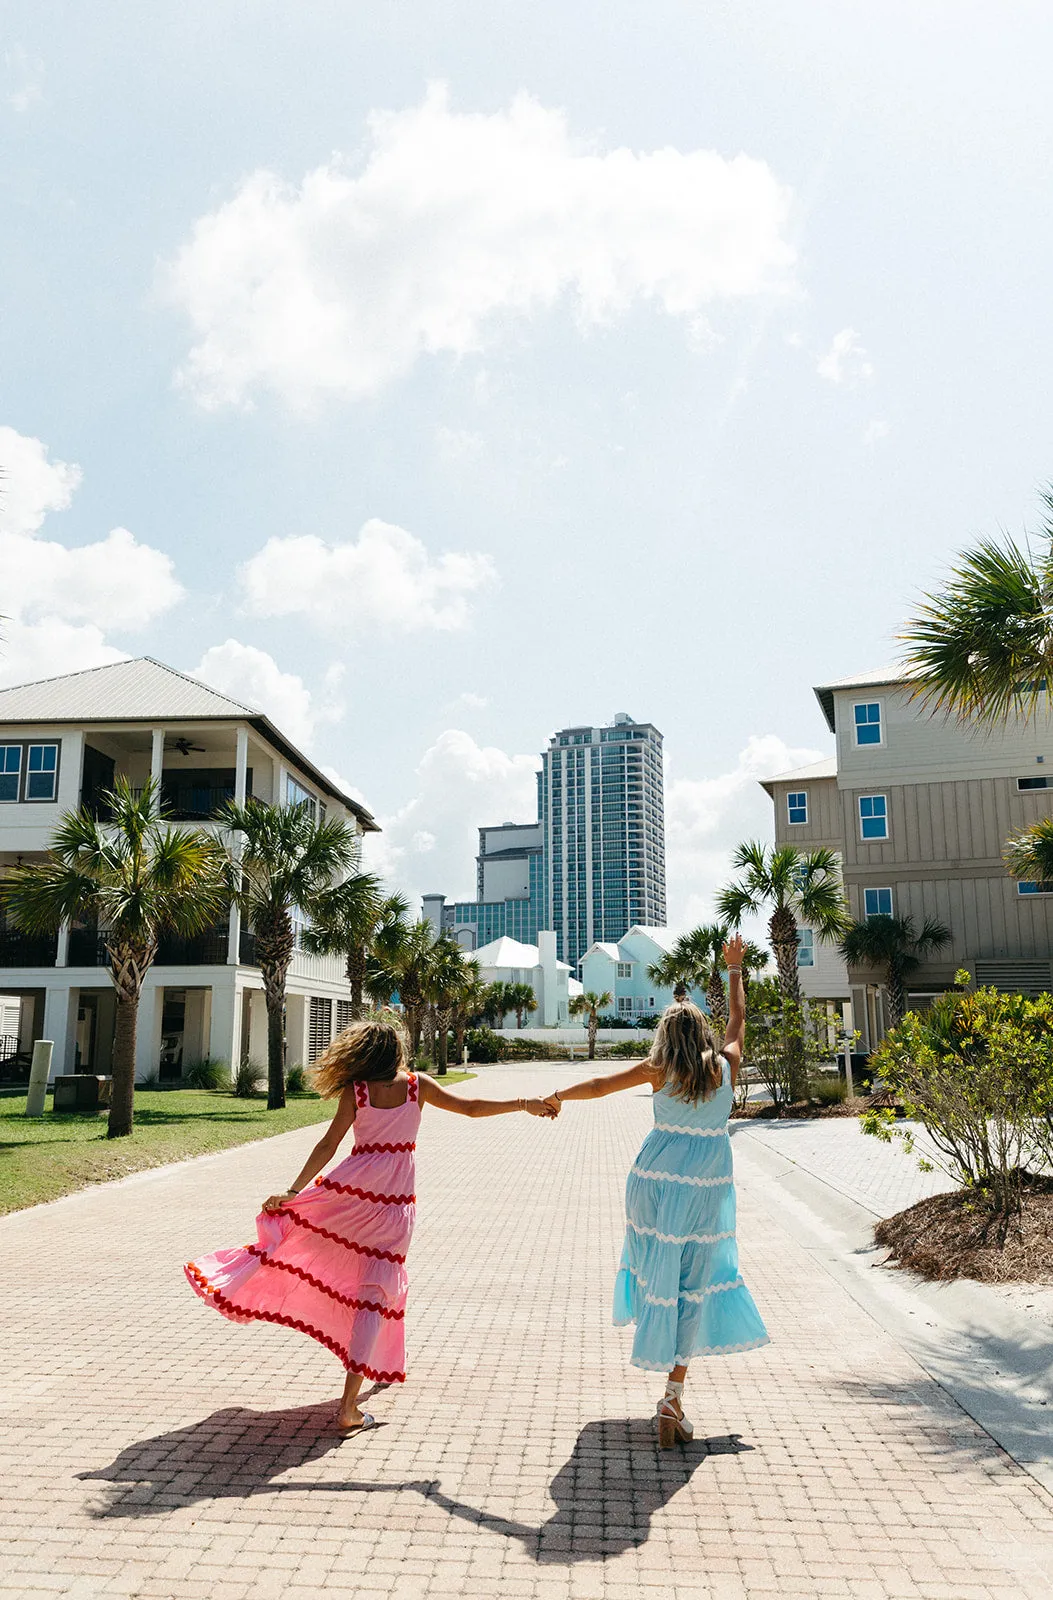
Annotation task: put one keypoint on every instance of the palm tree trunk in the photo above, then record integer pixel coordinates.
(895, 995)
(442, 1041)
(782, 933)
(356, 978)
(715, 995)
(274, 952)
(594, 1023)
(122, 1089)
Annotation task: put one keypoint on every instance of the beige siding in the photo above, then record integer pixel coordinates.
(961, 823)
(988, 919)
(922, 748)
(823, 827)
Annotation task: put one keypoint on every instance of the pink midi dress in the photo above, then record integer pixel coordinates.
(332, 1262)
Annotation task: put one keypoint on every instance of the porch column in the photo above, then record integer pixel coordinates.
(241, 764)
(157, 754)
(224, 1023)
(60, 1025)
(62, 947)
(148, 1033)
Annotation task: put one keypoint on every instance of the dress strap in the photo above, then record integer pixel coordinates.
(361, 1095)
(411, 1088)
(725, 1072)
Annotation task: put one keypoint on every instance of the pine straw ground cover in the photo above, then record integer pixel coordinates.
(763, 1110)
(954, 1236)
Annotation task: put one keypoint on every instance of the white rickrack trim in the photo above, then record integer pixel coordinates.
(696, 1133)
(681, 1238)
(703, 1350)
(674, 1177)
(685, 1294)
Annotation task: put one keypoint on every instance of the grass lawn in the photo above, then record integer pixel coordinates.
(44, 1157)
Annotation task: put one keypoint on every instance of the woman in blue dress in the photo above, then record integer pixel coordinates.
(679, 1279)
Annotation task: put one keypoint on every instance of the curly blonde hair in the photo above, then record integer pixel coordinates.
(373, 1051)
(685, 1045)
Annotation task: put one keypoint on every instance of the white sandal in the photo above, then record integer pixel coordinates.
(673, 1425)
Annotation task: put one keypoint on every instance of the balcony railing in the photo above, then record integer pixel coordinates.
(88, 949)
(247, 948)
(27, 949)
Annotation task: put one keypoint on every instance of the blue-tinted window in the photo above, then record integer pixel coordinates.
(1032, 783)
(805, 947)
(42, 772)
(877, 902)
(868, 722)
(1034, 888)
(797, 806)
(873, 816)
(10, 769)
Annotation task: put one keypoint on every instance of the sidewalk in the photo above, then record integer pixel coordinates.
(151, 1449)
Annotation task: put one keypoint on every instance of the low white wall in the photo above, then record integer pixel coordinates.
(574, 1035)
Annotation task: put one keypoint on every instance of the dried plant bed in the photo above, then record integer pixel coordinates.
(951, 1236)
(764, 1112)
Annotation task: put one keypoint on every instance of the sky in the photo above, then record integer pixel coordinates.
(436, 376)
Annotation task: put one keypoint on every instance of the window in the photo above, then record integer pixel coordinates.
(873, 816)
(877, 903)
(797, 806)
(297, 795)
(625, 1004)
(625, 969)
(10, 770)
(868, 722)
(1032, 783)
(1034, 888)
(28, 772)
(805, 947)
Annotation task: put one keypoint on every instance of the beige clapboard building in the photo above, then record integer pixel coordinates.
(918, 807)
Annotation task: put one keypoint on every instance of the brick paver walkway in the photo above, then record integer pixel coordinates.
(150, 1448)
(882, 1178)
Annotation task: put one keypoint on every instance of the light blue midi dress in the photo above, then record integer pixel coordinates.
(679, 1278)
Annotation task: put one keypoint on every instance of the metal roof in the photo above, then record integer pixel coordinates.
(877, 679)
(827, 768)
(148, 691)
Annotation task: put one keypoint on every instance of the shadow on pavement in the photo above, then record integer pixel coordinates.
(606, 1493)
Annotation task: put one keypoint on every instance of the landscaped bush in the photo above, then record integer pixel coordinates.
(827, 1090)
(247, 1079)
(977, 1070)
(614, 1022)
(779, 1038)
(483, 1045)
(296, 1080)
(207, 1074)
(626, 1049)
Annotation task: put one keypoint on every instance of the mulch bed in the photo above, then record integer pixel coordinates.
(952, 1236)
(764, 1112)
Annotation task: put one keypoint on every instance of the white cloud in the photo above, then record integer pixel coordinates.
(254, 677)
(456, 445)
(386, 578)
(875, 431)
(25, 75)
(449, 224)
(430, 844)
(57, 599)
(466, 702)
(846, 360)
(705, 818)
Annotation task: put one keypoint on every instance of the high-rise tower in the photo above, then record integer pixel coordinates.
(602, 811)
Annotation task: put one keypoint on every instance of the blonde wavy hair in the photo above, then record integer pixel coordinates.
(686, 1047)
(373, 1051)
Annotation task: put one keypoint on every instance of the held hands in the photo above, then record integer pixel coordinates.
(549, 1109)
(274, 1202)
(733, 951)
(554, 1104)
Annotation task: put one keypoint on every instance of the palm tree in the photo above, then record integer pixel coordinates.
(497, 1004)
(796, 887)
(520, 998)
(345, 923)
(408, 951)
(1028, 853)
(696, 961)
(469, 1003)
(445, 981)
(589, 1005)
(282, 860)
(135, 879)
(754, 961)
(981, 648)
(896, 944)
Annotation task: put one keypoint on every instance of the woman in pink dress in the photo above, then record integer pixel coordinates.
(330, 1255)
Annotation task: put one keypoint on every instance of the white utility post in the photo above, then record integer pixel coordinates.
(39, 1073)
(241, 768)
(157, 755)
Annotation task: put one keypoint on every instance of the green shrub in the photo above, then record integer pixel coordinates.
(780, 1043)
(207, 1074)
(296, 1080)
(625, 1050)
(977, 1070)
(247, 1079)
(483, 1045)
(827, 1090)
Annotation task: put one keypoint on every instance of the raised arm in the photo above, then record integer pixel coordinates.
(735, 1032)
(472, 1106)
(323, 1152)
(595, 1088)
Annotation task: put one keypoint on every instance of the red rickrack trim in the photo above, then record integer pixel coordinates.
(387, 1149)
(316, 1283)
(361, 1094)
(367, 1194)
(201, 1286)
(350, 1244)
(411, 1092)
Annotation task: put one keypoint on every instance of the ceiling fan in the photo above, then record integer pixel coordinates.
(184, 746)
